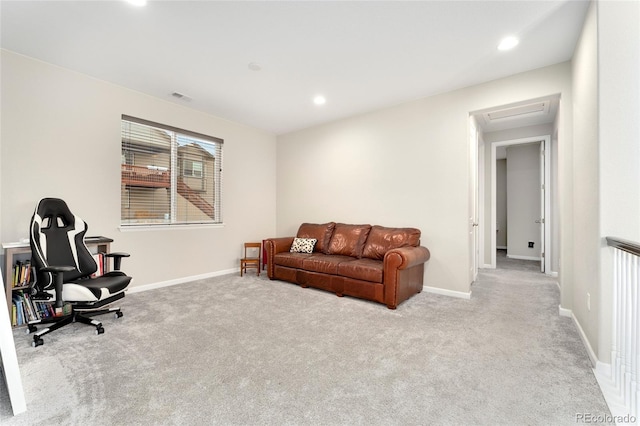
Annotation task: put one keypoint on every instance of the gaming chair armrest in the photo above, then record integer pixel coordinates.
(117, 259)
(57, 272)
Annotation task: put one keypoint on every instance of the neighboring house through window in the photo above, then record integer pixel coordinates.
(170, 176)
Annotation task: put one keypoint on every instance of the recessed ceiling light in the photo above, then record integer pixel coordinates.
(254, 66)
(508, 43)
(138, 3)
(319, 100)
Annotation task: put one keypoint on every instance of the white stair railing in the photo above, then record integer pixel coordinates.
(625, 348)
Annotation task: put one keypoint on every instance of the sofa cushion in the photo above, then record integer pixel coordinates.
(324, 263)
(303, 245)
(291, 260)
(320, 231)
(382, 239)
(348, 240)
(362, 269)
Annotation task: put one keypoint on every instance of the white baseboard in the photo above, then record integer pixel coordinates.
(585, 341)
(182, 280)
(450, 293)
(515, 256)
(552, 274)
(487, 266)
(501, 248)
(564, 312)
(602, 372)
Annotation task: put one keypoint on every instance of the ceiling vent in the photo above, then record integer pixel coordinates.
(522, 111)
(181, 96)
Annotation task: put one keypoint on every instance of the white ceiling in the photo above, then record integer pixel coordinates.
(360, 55)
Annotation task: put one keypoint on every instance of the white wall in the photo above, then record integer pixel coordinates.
(403, 166)
(60, 137)
(604, 159)
(523, 200)
(585, 243)
(618, 39)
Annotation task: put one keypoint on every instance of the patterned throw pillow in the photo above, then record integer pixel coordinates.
(303, 245)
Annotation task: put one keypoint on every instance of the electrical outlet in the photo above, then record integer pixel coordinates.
(588, 302)
(530, 244)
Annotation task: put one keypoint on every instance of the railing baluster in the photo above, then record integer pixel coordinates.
(625, 344)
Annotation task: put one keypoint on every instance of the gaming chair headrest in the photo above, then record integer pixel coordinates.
(55, 208)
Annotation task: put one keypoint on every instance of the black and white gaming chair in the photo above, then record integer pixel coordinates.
(64, 266)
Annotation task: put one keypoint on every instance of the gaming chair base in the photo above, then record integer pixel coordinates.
(79, 313)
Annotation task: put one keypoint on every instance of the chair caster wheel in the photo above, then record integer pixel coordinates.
(31, 329)
(118, 314)
(37, 342)
(100, 330)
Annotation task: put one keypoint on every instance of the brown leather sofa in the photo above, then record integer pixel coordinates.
(377, 263)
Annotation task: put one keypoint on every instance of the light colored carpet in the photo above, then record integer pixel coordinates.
(245, 351)
(504, 262)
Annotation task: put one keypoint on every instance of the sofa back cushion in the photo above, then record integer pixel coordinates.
(348, 240)
(382, 239)
(320, 231)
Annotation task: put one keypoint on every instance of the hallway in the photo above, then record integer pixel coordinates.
(503, 262)
(542, 349)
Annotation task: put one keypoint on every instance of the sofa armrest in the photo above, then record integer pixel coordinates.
(403, 273)
(406, 257)
(274, 246)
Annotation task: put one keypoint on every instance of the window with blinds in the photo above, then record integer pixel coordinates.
(170, 176)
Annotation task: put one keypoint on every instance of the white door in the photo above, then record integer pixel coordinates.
(542, 205)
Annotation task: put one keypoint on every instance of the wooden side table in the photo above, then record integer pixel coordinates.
(264, 254)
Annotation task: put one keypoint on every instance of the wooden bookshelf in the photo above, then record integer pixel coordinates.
(12, 251)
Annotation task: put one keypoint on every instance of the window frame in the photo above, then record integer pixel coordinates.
(177, 138)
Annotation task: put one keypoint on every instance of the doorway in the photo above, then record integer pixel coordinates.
(530, 214)
(529, 122)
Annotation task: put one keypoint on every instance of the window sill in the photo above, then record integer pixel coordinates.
(176, 227)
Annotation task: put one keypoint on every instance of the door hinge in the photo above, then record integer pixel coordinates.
(543, 255)
(542, 186)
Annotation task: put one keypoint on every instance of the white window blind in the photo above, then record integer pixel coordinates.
(169, 176)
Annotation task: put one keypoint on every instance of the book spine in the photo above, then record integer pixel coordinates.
(42, 310)
(100, 265)
(16, 274)
(33, 312)
(26, 279)
(20, 312)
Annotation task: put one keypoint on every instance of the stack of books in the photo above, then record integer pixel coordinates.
(25, 310)
(22, 274)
